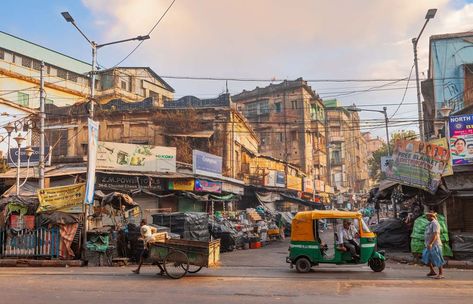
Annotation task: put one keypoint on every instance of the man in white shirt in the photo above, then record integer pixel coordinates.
(347, 235)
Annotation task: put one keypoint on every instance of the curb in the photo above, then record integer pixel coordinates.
(40, 263)
(449, 263)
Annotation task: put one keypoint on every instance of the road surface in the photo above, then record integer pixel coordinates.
(250, 276)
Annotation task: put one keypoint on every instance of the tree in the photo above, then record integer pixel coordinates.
(374, 163)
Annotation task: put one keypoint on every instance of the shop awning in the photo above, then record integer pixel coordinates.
(301, 201)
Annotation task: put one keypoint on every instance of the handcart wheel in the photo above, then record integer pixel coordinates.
(176, 264)
(193, 268)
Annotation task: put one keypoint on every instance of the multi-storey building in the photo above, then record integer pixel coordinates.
(289, 119)
(373, 143)
(348, 149)
(67, 79)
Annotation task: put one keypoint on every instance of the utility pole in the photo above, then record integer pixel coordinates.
(285, 130)
(386, 120)
(327, 153)
(92, 80)
(419, 102)
(41, 127)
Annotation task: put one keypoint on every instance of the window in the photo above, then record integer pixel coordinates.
(153, 94)
(23, 99)
(72, 77)
(280, 137)
(49, 101)
(2, 54)
(37, 65)
(264, 138)
(264, 107)
(61, 73)
(294, 104)
(123, 85)
(251, 109)
(26, 62)
(278, 107)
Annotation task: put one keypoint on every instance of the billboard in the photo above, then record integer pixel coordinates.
(93, 140)
(461, 139)
(119, 182)
(134, 157)
(202, 185)
(181, 184)
(417, 164)
(385, 162)
(442, 142)
(68, 199)
(275, 179)
(206, 164)
(294, 182)
(12, 160)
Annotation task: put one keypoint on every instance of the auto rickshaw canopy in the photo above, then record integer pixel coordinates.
(302, 227)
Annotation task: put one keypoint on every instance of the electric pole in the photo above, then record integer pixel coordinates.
(41, 128)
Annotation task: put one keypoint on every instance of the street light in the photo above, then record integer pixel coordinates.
(445, 112)
(95, 47)
(18, 140)
(353, 108)
(430, 15)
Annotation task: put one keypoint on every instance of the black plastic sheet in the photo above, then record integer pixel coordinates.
(462, 246)
(393, 234)
(189, 225)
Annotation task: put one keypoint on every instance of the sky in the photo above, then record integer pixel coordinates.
(257, 39)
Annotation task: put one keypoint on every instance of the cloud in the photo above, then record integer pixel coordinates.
(282, 39)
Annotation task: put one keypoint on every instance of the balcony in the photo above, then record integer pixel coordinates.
(337, 161)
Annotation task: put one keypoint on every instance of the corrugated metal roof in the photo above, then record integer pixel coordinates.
(38, 52)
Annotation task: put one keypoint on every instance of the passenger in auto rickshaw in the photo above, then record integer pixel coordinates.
(347, 239)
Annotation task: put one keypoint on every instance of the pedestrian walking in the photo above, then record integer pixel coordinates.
(432, 254)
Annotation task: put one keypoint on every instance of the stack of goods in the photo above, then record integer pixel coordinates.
(417, 236)
(462, 246)
(189, 225)
(253, 215)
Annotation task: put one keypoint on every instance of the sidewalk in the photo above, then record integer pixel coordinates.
(408, 258)
(39, 263)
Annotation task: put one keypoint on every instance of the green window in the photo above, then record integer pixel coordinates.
(23, 99)
(49, 101)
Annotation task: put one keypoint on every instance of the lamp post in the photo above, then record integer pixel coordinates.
(95, 47)
(445, 112)
(353, 108)
(18, 140)
(430, 15)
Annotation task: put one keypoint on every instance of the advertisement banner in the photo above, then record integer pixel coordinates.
(461, 139)
(203, 185)
(294, 183)
(34, 159)
(231, 188)
(134, 157)
(68, 199)
(206, 164)
(274, 178)
(93, 141)
(308, 185)
(442, 142)
(119, 182)
(417, 164)
(181, 184)
(385, 162)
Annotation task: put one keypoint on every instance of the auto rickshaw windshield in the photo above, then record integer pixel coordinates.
(365, 226)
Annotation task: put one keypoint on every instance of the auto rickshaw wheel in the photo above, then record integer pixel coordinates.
(303, 265)
(377, 265)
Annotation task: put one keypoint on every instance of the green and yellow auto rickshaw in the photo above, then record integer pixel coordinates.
(315, 240)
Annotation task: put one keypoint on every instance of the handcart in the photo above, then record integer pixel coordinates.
(178, 257)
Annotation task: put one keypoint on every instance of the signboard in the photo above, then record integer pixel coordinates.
(461, 139)
(275, 179)
(131, 157)
(93, 141)
(203, 185)
(417, 164)
(206, 164)
(34, 159)
(231, 188)
(120, 182)
(181, 184)
(294, 183)
(68, 199)
(308, 185)
(442, 142)
(385, 162)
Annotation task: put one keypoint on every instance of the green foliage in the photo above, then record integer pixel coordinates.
(374, 164)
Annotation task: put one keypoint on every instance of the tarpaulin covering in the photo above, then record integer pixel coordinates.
(302, 202)
(189, 225)
(30, 203)
(59, 218)
(392, 233)
(67, 237)
(118, 200)
(417, 235)
(98, 242)
(462, 246)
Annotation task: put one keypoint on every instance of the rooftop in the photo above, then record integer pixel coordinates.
(273, 88)
(41, 53)
(452, 35)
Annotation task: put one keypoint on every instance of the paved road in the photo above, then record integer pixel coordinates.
(256, 276)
